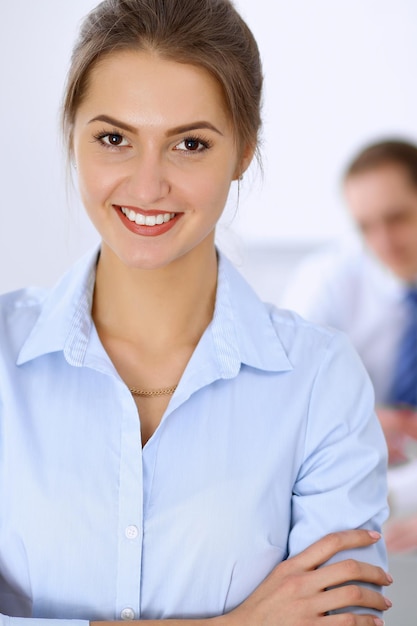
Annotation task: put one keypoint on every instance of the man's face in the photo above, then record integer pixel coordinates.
(383, 204)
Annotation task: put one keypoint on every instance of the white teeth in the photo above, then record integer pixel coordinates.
(147, 220)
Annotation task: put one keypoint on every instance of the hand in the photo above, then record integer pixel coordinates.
(398, 425)
(296, 593)
(409, 422)
(401, 535)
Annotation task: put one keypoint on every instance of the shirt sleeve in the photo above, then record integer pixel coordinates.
(342, 481)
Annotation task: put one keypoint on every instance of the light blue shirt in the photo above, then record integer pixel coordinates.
(269, 442)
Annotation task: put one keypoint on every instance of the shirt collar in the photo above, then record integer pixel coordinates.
(65, 319)
(241, 330)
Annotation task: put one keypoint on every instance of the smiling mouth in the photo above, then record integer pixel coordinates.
(147, 220)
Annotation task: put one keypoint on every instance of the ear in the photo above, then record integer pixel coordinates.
(245, 160)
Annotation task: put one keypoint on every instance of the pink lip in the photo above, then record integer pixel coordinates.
(146, 231)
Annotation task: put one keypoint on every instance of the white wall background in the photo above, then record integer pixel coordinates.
(338, 73)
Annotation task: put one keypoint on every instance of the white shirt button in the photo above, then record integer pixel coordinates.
(131, 532)
(127, 614)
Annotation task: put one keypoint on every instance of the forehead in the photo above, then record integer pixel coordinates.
(143, 87)
(382, 189)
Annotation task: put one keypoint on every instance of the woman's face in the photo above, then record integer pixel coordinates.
(155, 154)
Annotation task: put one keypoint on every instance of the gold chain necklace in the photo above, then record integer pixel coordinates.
(150, 393)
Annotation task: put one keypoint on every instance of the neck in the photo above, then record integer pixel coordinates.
(160, 308)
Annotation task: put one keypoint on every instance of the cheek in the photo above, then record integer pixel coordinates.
(212, 188)
(404, 234)
(94, 183)
(213, 201)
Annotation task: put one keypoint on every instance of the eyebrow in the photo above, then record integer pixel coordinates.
(186, 128)
(178, 130)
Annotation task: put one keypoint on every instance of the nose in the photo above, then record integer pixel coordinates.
(147, 180)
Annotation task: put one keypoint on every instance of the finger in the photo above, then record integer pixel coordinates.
(323, 549)
(350, 570)
(356, 620)
(352, 595)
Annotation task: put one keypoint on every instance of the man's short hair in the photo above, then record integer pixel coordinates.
(390, 151)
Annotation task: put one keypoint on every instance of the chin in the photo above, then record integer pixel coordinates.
(407, 274)
(134, 260)
(145, 264)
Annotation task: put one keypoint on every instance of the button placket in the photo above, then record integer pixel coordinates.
(130, 510)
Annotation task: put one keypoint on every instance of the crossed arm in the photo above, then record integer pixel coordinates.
(299, 592)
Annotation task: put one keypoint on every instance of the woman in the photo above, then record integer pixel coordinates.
(175, 445)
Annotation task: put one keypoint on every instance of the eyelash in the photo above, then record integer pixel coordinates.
(100, 137)
(204, 143)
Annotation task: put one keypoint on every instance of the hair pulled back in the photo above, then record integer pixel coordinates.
(206, 33)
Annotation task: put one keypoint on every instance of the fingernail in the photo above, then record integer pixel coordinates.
(389, 578)
(379, 622)
(388, 603)
(374, 534)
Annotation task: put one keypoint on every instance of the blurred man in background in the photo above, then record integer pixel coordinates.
(368, 289)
